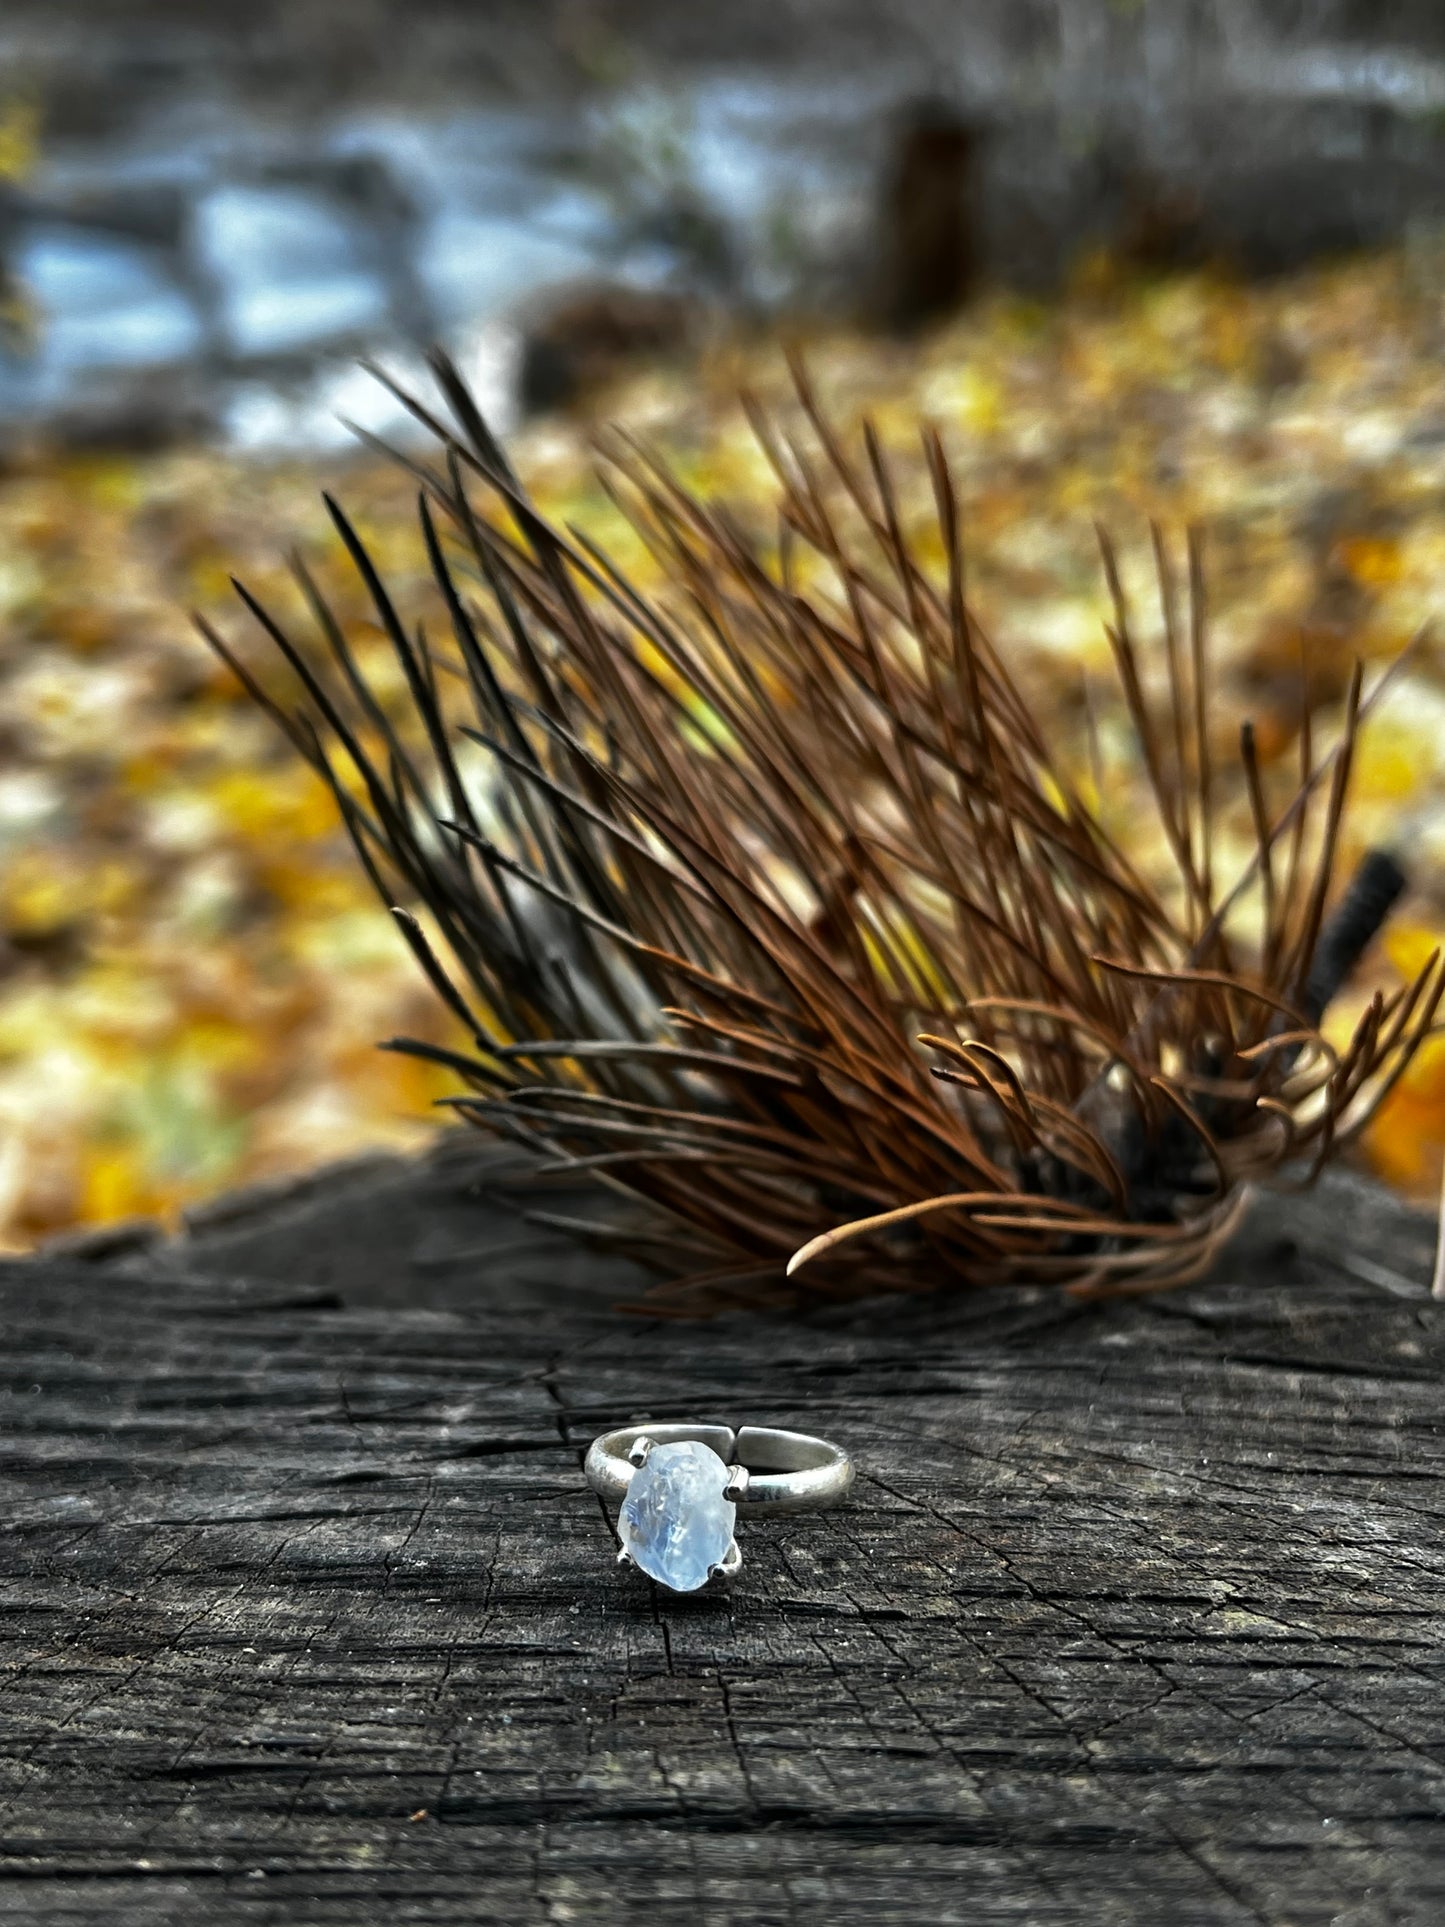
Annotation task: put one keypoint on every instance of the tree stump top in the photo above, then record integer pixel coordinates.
(1134, 1613)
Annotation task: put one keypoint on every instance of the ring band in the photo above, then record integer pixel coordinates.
(679, 1487)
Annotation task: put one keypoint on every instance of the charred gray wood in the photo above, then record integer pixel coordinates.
(1135, 1612)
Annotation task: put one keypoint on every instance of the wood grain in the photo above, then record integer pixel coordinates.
(1134, 1615)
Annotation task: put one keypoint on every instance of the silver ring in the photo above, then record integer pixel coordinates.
(679, 1487)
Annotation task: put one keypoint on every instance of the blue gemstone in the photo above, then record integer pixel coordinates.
(675, 1521)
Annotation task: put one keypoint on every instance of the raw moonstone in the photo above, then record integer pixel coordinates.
(675, 1521)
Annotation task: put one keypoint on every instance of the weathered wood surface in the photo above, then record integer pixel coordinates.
(1135, 1614)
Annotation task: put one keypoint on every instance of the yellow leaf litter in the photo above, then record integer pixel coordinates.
(193, 973)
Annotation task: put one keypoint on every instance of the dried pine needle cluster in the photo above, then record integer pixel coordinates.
(768, 904)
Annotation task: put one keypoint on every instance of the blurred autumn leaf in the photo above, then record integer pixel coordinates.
(20, 121)
(193, 972)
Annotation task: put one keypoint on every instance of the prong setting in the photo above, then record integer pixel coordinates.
(637, 1452)
(737, 1485)
(624, 1557)
(723, 1574)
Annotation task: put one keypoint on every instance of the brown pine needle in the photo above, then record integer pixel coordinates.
(710, 880)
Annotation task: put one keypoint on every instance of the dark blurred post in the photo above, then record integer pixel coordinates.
(927, 237)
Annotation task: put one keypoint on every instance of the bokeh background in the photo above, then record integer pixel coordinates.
(1181, 259)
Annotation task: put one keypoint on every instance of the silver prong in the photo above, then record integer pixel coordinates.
(624, 1557)
(727, 1569)
(737, 1483)
(638, 1450)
